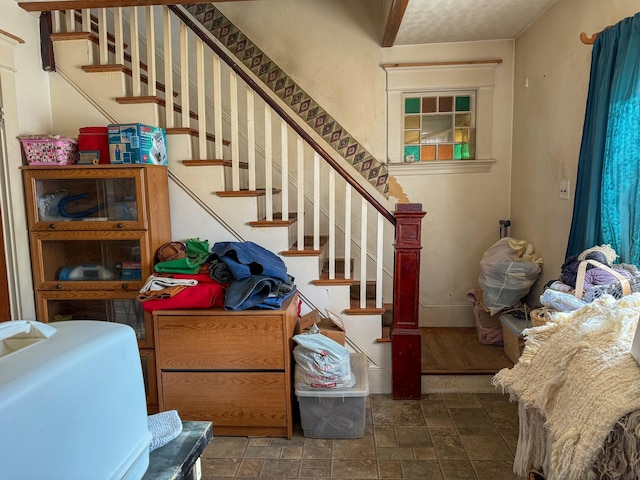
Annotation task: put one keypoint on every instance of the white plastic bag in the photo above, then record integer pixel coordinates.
(321, 362)
(508, 269)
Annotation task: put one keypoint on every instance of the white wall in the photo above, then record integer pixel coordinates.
(25, 98)
(548, 120)
(332, 50)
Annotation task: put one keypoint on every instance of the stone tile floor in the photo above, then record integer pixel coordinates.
(441, 436)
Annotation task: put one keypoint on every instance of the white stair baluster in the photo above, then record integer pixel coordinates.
(251, 138)
(217, 106)
(168, 70)
(235, 147)
(284, 169)
(347, 230)
(103, 45)
(379, 261)
(184, 80)
(363, 254)
(268, 163)
(300, 181)
(118, 36)
(202, 100)
(136, 89)
(151, 52)
(316, 201)
(332, 224)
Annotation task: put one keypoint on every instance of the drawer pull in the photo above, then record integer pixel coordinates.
(58, 287)
(52, 226)
(125, 286)
(120, 225)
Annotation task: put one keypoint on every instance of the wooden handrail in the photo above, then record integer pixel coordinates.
(284, 115)
(85, 4)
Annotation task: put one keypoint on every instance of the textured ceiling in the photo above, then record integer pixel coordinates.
(436, 21)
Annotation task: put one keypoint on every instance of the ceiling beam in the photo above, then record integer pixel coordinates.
(82, 4)
(394, 19)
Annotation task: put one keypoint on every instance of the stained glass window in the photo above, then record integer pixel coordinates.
(439, 126)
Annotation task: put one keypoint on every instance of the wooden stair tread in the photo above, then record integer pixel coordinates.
(212, 162)
(386, 335)
(370, 308)
(276, 222)
(339, 280)
(307, 250)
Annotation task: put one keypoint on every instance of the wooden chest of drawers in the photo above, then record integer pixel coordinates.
(233, 369)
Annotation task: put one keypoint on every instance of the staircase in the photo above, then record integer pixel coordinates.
(241, 166)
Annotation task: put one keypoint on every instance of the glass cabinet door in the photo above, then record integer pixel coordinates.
(79, 198)
(67, 306)
(88, 260)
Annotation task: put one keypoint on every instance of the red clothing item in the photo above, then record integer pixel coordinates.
(206, 294)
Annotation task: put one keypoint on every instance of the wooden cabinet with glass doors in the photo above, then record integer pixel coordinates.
(93, 232)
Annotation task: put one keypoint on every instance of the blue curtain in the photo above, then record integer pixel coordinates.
(607, 200)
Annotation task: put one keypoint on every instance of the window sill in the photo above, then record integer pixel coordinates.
(432, 168)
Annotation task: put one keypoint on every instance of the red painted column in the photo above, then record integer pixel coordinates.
(405, 337)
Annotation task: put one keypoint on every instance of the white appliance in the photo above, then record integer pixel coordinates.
(72, 402)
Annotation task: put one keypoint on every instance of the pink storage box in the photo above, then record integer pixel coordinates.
(49, 149)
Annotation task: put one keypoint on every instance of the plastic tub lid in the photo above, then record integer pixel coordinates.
(361, 388)
(516, 325)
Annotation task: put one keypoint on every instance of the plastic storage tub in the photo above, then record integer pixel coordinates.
(513, 340)
(72, 401)
(337, 412)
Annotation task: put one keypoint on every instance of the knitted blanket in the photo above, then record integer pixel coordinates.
(574, 381)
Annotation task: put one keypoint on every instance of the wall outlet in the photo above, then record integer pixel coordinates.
(564, 189)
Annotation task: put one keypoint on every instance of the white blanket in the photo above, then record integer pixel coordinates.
(574, 381)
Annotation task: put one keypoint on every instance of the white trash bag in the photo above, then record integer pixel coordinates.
(508, 269)
(321, 362)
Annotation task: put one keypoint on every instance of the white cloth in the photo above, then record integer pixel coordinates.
(577, 374)
(155, 283)
(164, 427)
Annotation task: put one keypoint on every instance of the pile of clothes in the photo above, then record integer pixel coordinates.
(233, 275)
(590, 275)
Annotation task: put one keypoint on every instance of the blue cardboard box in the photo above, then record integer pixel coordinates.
(137, 143)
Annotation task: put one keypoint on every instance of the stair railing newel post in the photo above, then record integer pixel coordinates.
(405, 337)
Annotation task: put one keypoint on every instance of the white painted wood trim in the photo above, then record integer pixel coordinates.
(347, 230)
(168, 67)
(268, 163)
(363, 253)
(151, 52)
(235, 147)
(332, 223)
(118, 36)
(202, 100)
(136, 88)
(316, 201)
(103, 47)
(300, 200)
(217, 105)
(184, 78)
(284, 169)
(379, 260)
(251, 137)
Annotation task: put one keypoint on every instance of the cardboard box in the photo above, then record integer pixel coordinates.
(331, 326)
(137, 143)
(512, 338)
(488, 327)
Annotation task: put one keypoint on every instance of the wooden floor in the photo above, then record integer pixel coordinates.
(457, 351)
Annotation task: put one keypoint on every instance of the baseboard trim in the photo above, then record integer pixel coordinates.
(447, 316)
